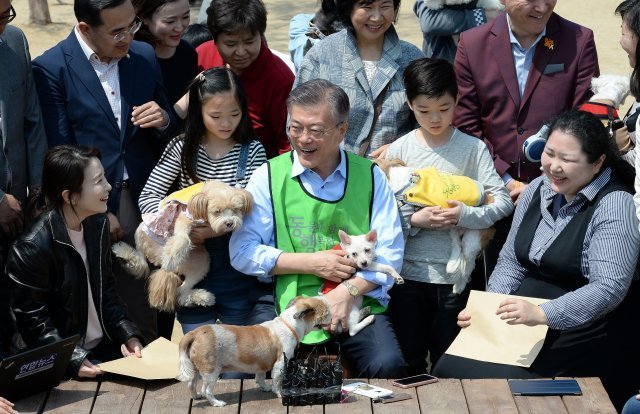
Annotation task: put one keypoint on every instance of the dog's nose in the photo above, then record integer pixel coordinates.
(229, 224)
(364, 264)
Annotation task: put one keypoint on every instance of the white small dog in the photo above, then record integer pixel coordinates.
(210, 350)
(218, 204)
(466, 244)
(362, 250)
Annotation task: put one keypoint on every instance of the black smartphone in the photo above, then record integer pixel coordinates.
(414, 381)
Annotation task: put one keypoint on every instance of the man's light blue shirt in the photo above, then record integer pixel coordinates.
(252, 248)
(522, 58)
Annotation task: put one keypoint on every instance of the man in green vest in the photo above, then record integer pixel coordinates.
(302, 198)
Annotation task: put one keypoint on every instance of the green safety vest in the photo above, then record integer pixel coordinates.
(306, 224)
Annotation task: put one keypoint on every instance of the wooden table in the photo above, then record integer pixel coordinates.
(125, 395)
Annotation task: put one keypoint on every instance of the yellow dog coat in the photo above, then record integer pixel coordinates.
(433, 188)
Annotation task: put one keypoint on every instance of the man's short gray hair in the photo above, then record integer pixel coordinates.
(321, 91)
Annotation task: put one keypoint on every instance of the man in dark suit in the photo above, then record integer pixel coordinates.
(22, 147)
(22, 138)
(100, 88)
(514, 74)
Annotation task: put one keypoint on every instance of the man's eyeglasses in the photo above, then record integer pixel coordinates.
(131, 31)
(296, 132)
(7, 18)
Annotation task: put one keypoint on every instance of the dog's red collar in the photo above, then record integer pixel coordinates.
(601, 110)
(290, 328)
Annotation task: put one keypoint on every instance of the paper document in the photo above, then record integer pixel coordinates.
(491, 339)
(159, 361)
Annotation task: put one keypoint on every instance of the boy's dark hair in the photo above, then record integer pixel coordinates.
(430, 77)
(231, 16)
(88, 11)
(196, 34)
(345, 7)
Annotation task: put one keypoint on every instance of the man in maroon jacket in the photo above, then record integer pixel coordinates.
(514, 74)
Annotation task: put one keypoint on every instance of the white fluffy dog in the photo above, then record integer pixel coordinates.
(223, 208)
(210, 350)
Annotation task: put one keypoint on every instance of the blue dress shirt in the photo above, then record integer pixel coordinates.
(252, 248)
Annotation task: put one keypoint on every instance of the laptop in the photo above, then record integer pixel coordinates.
(36, 370)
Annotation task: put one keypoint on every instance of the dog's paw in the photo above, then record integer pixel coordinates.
(122, 250)
(201, 297)
(398, 279)
(218, 403)
(132, 260)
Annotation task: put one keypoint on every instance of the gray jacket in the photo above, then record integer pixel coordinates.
(337, 60)
(440, 28)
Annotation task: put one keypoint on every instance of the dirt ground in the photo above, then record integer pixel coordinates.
(596, 14)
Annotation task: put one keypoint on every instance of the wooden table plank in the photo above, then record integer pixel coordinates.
(443, 397)
(170, 397)
(406, 406)
(31, 405)
(594, 398)
(119, 395)
(227, 390)
(539, 405)
(353, 403)
(75, 397)
(489, 396)
(254, 400)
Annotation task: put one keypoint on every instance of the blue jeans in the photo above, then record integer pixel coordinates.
(632, 406)
(231, 288)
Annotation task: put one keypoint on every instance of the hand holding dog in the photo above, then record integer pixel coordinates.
(202, 232)
(521, 312)
(433, 218)
(131, 347)
(340, 302)
(331, 265)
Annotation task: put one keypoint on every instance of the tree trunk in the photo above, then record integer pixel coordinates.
(39, 12)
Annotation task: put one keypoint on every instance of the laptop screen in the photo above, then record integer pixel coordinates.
(36, 370)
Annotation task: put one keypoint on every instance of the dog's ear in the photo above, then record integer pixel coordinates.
(245, 201)
(197, 206)
(372, 236)
(344, 238)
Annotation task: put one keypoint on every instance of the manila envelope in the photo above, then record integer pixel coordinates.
(159, 361)
(491, 339)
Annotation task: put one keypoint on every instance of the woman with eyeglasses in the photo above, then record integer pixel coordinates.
(163, 24)
(366, 59)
